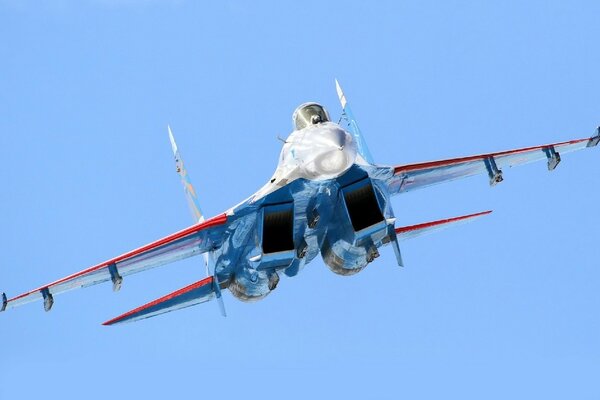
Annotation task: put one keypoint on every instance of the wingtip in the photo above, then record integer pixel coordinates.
(111, 322)
(115, 320)
(477, 215)
(4, 302)
(594, 140)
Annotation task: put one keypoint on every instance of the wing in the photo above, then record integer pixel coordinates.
(196, 293)
(194, 240)
(416, 176)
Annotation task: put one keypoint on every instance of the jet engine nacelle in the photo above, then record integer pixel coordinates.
(277, 250)
(252, 286)
(358, 228)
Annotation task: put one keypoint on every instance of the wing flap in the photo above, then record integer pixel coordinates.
(415, 176)
(413, 231)
(196, 293)
(188, 242)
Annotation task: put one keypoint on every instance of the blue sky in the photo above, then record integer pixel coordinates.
(504, 307)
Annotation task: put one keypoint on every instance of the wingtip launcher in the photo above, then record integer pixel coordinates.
(4, 302)
(594, 139)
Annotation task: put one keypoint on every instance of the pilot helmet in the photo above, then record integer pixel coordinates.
(309, 114)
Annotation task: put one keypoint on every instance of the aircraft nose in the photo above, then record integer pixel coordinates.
(329, 151)
(336, 138)
(336, 154)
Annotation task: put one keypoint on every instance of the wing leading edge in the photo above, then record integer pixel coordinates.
(194, 240)
(415, 176)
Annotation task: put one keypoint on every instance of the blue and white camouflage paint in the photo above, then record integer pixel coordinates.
(326, 197)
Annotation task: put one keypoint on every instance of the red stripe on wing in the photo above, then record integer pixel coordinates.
(452, 161)
(404, 229)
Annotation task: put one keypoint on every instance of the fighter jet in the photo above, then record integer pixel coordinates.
(327, 196)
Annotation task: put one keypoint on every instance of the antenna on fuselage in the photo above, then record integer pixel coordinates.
(281, 139)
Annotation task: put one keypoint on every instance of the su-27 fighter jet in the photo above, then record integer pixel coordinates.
(327, 197)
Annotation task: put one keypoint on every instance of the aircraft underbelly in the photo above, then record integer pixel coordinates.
(358, 229)
(343, 219)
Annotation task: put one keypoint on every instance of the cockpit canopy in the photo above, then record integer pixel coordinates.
(309, 114)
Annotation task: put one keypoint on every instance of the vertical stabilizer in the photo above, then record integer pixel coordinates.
(347, 116)
(189, 190)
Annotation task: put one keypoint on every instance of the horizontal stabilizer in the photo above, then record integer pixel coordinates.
(196, 293)
(413, 231)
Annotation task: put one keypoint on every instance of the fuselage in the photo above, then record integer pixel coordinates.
(318, 152)
(320, 200)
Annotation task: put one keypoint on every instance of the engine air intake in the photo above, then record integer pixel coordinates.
(363, 207)
(278, 230)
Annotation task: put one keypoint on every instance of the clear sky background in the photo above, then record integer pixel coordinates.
(505, 307)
